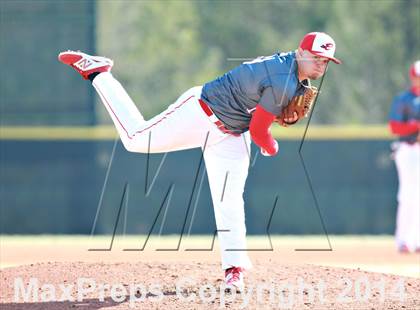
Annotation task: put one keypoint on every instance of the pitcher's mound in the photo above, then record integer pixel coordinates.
(200, 286)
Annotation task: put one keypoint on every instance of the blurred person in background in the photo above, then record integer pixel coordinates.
(404, 121)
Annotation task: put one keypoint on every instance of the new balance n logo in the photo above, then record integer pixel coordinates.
(83, 64)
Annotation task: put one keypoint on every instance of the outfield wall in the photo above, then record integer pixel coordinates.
(35, 88)
(52, 181)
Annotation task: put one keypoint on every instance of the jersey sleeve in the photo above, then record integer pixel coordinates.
(404, 128)
(274, 99)
(260, 130)
(397, 112)
(401, 121)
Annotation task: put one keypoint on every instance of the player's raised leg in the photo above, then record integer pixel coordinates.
(118, 103)
(183, 125)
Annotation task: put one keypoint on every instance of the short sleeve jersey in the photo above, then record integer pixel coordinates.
(270, 81)
(405, 108)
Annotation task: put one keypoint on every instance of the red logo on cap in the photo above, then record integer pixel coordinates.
(327, 46)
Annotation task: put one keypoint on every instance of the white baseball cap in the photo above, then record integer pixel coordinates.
(415, 69)
(321, 44)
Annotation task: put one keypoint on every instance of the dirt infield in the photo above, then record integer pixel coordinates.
(322, 287)
(60, 273)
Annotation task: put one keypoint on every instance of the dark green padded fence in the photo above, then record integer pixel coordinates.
(35, 87)
(55, 187)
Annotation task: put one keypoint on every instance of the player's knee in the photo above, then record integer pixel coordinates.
(133, 146)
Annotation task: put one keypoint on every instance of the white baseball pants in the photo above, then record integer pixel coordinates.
(184, 125)
(407, 159)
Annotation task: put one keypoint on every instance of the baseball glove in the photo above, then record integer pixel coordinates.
(298, 107)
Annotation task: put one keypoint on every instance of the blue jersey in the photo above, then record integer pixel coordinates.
(405, 108)
(269, 81)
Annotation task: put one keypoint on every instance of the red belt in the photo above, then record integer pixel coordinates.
(214, 119)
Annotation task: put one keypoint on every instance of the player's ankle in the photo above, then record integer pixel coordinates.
(92, 76)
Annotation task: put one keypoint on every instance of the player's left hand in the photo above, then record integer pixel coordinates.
(298, 107)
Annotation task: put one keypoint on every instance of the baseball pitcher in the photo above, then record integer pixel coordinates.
(404, 121)
(221, 118)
